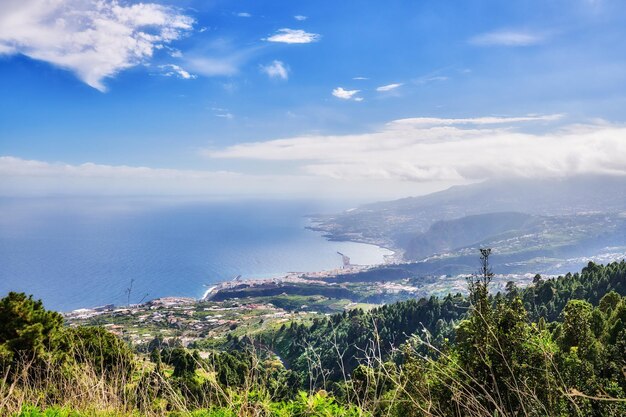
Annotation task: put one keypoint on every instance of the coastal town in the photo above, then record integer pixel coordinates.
(245, 307)
(184, 319)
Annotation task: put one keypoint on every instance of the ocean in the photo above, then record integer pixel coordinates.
(75, 253)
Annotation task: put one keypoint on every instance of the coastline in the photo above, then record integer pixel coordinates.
(316, 279)
(197, 244)
(208, 291)
(396, 255)
(309, 277)
(312, 277)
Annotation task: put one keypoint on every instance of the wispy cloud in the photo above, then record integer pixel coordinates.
(427, 80)
(222, 113)
(388, 87)
(94, 40)
(344, 94)
(12, 166)
(300, 17)
(293, 36)
(170, 70)
(22, 176)
(174, 53)
(431, 149)
(487, 120)
(210, 67)
(277, 69)
(433, 76)
(360, 78)
(508, 38)
(244, 14)
(219, 56)
(31, 177)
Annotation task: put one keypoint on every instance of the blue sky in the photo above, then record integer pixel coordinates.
(293, 97)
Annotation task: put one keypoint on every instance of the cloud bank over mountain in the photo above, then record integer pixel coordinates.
(432, 149)
(410, 156)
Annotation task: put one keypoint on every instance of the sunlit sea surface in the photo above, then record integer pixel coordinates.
(75, 253)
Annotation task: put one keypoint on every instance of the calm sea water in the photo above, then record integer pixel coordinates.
(84, 253)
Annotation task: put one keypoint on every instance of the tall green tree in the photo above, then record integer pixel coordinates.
(27, 329)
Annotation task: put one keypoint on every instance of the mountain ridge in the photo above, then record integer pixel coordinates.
(582, 214)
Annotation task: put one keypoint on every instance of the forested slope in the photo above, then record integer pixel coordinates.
(391, 325)
(556, 348)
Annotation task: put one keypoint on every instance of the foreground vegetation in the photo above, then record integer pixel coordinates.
(556, 348)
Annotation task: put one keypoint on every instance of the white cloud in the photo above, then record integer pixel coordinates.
(341, 93)
(93, 39)
(403, 157)
(360, 78)
(228, 116)
(244, 14)
(300, 18)
(508, 38)
(170, 70)
(453, 150)
(388, 87)
(276, 69)
(293, 36)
